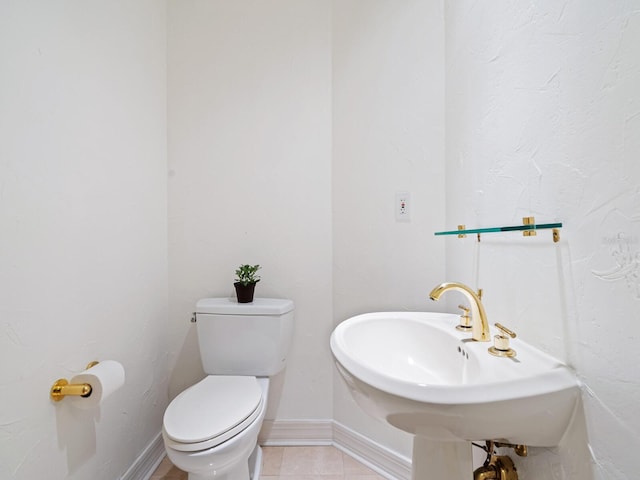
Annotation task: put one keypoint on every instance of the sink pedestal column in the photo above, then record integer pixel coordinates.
(435, 460)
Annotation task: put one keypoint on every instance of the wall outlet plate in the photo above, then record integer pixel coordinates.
(403, 207)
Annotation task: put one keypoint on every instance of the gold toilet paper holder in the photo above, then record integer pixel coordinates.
(62, 388)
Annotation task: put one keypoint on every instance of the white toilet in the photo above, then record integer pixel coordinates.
(211, 429)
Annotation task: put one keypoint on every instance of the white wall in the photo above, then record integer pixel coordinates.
(292, 125)
(249, 104)
(543, 119)
(388, 137)
(83, 255)
(251, 118)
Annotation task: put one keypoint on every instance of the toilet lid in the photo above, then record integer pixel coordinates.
(212, 408)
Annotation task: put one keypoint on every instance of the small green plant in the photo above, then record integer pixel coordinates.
(246, 274)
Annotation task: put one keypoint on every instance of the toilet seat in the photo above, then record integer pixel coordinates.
(211, 412)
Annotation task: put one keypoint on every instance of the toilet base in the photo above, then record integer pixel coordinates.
(249, 471)
(255, 463)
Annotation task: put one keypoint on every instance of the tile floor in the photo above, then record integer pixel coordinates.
(294, 463)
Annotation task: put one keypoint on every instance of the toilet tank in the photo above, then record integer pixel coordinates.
(244, 338)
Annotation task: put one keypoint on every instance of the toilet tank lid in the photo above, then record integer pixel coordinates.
(230, 306)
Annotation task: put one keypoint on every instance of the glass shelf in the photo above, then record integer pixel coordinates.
(516, 228)
(528, 228)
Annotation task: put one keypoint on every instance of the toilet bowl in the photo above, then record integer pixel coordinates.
(210, 430)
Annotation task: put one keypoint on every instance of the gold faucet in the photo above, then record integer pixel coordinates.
(479, 323)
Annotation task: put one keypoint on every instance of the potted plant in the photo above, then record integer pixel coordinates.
(245, 282)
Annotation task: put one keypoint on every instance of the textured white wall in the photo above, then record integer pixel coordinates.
(249, 103)
(83, 250)
(543, 118)
(388, 137)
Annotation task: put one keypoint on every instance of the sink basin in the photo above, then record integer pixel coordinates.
(415, 371)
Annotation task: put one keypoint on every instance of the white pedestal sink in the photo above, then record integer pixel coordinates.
(415, 371)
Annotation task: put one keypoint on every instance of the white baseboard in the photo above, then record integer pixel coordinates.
(384, 461)
(296, 432)
(147, 462)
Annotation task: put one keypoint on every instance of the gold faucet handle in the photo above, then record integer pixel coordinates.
(501, 346)
(465, 319)
(505, 330)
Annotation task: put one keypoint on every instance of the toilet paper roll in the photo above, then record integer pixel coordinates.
(105, 378)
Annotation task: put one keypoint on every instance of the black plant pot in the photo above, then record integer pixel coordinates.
(244, 292)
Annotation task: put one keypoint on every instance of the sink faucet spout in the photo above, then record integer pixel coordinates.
(480, 325)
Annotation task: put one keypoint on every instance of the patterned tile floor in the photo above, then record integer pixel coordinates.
(294, 463)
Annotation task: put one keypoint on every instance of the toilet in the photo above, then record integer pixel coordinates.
(211, 429)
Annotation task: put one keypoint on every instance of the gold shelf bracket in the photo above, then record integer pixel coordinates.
(529, 221)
